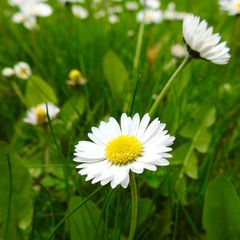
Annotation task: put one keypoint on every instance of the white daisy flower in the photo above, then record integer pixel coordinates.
(113, 19)
(152, 4)
(149, 16)
(131, 5)
(178, 50)
(115, 10)
(22, 70)
(7, 72)
(38, 115)
(232, 7)
(202, 43)
(79, 12)
(116, 149)
(36, 9)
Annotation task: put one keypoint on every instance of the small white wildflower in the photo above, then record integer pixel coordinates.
(131, 5)
(7, 72)
(22, 70)
(178, 50)
(149, 16)
(38, 115)
(79, 12)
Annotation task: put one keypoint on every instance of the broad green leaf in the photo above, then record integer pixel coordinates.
(185, 155)
(179, 154)
(181, 190)
(202, 141)
(83, 222)
(73, 109)
(221, 215)
(190, 129)
(115, 73)
(190, 167)
(19, 188)
(38, 91)
(205, 114)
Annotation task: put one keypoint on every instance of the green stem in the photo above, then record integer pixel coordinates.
(134, 206)
(139, 46)
(71, 212)
(130, 99)
(65, 169)
(167, 86)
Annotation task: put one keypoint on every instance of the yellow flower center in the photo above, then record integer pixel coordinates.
(148, 15)
(41, 115)
(74, 74)
(238, 6)
(123, 150)
(23, 71)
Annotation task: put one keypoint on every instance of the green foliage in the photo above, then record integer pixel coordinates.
(38, 91)
(16, 206)
(73, 109)
(197, 131)
(83, 222)
(221, 215)
(201, 110)
(115, 74)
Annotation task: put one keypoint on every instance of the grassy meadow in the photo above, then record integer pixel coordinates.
(41, 194)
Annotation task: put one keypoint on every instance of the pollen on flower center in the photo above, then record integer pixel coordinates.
(123, 150)
(23, 71)
(41, 115)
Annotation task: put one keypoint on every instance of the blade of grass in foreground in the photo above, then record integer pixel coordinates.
(71, 212)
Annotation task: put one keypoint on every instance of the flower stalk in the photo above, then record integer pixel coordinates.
(167, 86)
(134, 206)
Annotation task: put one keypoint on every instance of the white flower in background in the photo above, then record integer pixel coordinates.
(36, 9)
(171, 14)
(100, 14)
(149, 16)
(178, 50)
(113, 19)
(38, 115)
(202, 43)
(232, 7)
(18, 17)
(29, 10)
(115, 9)
(28, 21)
(8, 72)
(131, 5)
(22, 70)
(79, 12)
(19, 3)
(116, 149)
(152, 4)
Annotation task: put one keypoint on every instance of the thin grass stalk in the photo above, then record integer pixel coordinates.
(72, 212)
(65, 169)
(167, 86)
